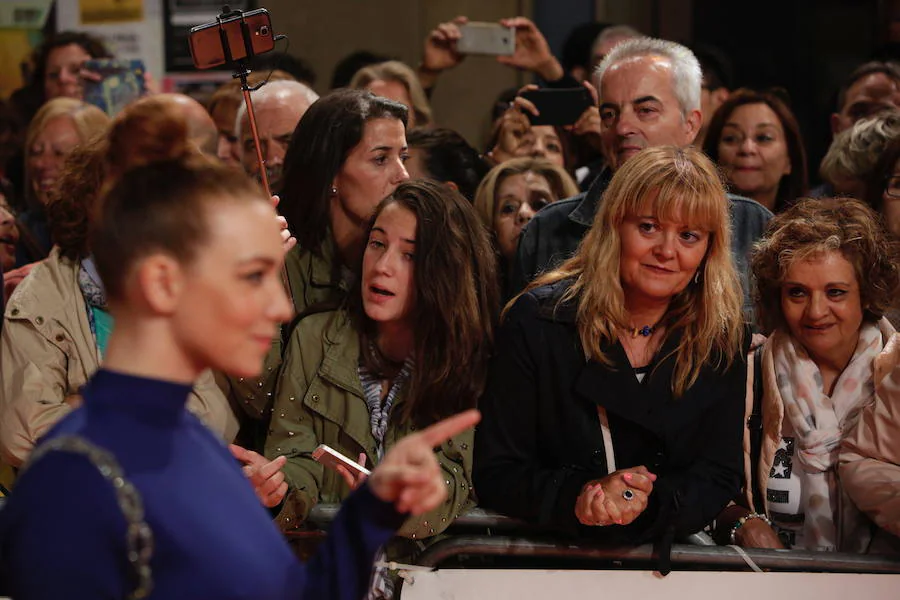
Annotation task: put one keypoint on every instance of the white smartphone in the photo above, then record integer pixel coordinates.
(331, 458)
(487, 38)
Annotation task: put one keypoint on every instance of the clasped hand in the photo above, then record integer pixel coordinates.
(603, 501)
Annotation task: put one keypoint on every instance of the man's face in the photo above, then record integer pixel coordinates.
(868, 96)
(638, 109)
(276, 120)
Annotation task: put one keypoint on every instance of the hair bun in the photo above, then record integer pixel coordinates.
(151, 130)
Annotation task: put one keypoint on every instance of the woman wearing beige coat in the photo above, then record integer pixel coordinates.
(53, 335)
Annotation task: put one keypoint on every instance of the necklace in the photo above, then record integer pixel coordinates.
(645, 331)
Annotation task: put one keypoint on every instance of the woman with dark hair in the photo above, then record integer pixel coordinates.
(826, 273)
(445, 156)
(614, 403)
(190, 256)
(410, 346)
(755, 139)
(347, 153)
(57, 70)
(57, 324)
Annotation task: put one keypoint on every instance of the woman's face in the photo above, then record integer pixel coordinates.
(47, 154)
(821, 304)
(388, 287)
(62, 76)
(518, 138)
(890, 200)
(658, 258)
(518, 198)
(9, 236)
(233, 300)
(753, 152)
(372, 171)
(396, 91)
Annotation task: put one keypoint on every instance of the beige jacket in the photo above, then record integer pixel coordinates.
(47, 352)
(870, 454)
(850, 539)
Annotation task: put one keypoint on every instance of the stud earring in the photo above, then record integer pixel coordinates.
(333, 191)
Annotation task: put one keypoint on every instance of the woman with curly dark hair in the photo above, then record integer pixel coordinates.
(826, 273)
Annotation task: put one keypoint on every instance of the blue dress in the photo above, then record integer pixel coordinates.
(63, 533)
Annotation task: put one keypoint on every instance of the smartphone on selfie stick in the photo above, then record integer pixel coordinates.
(234, 38)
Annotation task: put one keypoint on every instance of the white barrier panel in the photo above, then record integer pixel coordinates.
(507, 584)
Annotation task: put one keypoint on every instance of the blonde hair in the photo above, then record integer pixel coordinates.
(561, 183)
(87, 119)
(394, 70)
(673, 184)
(854, 152)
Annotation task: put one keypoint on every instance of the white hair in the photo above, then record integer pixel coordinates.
(625, 32)
(283, 89)
(686, 74)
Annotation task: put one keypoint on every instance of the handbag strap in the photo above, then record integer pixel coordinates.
(139, 536)
(607, 440)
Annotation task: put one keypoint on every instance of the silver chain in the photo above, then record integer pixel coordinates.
(139, 536)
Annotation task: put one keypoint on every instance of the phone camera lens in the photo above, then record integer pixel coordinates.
(264, 30)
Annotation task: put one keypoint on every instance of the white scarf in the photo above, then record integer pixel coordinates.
(819, 421)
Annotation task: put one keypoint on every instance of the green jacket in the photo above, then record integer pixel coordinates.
(320, 400)
(310, 282)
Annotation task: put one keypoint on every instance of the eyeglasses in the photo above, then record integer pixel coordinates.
(892, 189)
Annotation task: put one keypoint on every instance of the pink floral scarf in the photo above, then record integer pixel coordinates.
(819, 421)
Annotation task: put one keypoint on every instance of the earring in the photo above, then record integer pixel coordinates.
(333, 191)
(697, 276)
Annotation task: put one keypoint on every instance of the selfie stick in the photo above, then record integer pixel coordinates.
(241, 72)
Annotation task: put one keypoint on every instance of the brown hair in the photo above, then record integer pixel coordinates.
(71, 205)
(675, 182)
(878, 179)
(394, 70)
(457, 299)
(816, 226)
(793, 185)
(159, 191)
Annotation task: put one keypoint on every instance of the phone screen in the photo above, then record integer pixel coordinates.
(113, 83)
(558, 106)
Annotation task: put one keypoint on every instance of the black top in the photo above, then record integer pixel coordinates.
(540, 440)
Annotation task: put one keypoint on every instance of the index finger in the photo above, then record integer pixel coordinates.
(443, 430)
(269, 469)
(275, 200)
(240, 453)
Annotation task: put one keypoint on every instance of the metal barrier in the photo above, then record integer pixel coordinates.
(482, 533)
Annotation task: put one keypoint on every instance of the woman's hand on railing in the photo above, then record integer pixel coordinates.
(266, 476)
(617, 499)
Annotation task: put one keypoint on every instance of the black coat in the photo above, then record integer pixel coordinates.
(540, 440)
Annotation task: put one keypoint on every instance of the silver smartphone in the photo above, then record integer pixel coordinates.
(486, 38)
(331, 458)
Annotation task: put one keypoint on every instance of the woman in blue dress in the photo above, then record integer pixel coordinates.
(132, 496)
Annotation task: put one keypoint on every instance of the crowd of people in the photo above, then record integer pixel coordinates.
(665, 327)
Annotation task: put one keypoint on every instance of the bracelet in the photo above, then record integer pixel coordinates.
(744, 519)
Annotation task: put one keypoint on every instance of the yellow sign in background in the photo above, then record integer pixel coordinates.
(97, 12)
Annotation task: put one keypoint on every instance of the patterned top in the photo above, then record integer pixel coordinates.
(380, 410)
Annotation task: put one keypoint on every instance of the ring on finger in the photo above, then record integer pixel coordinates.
(628, 495)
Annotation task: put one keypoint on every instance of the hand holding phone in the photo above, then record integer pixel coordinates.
(353, 472)
(557, 106)
(486, 38)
